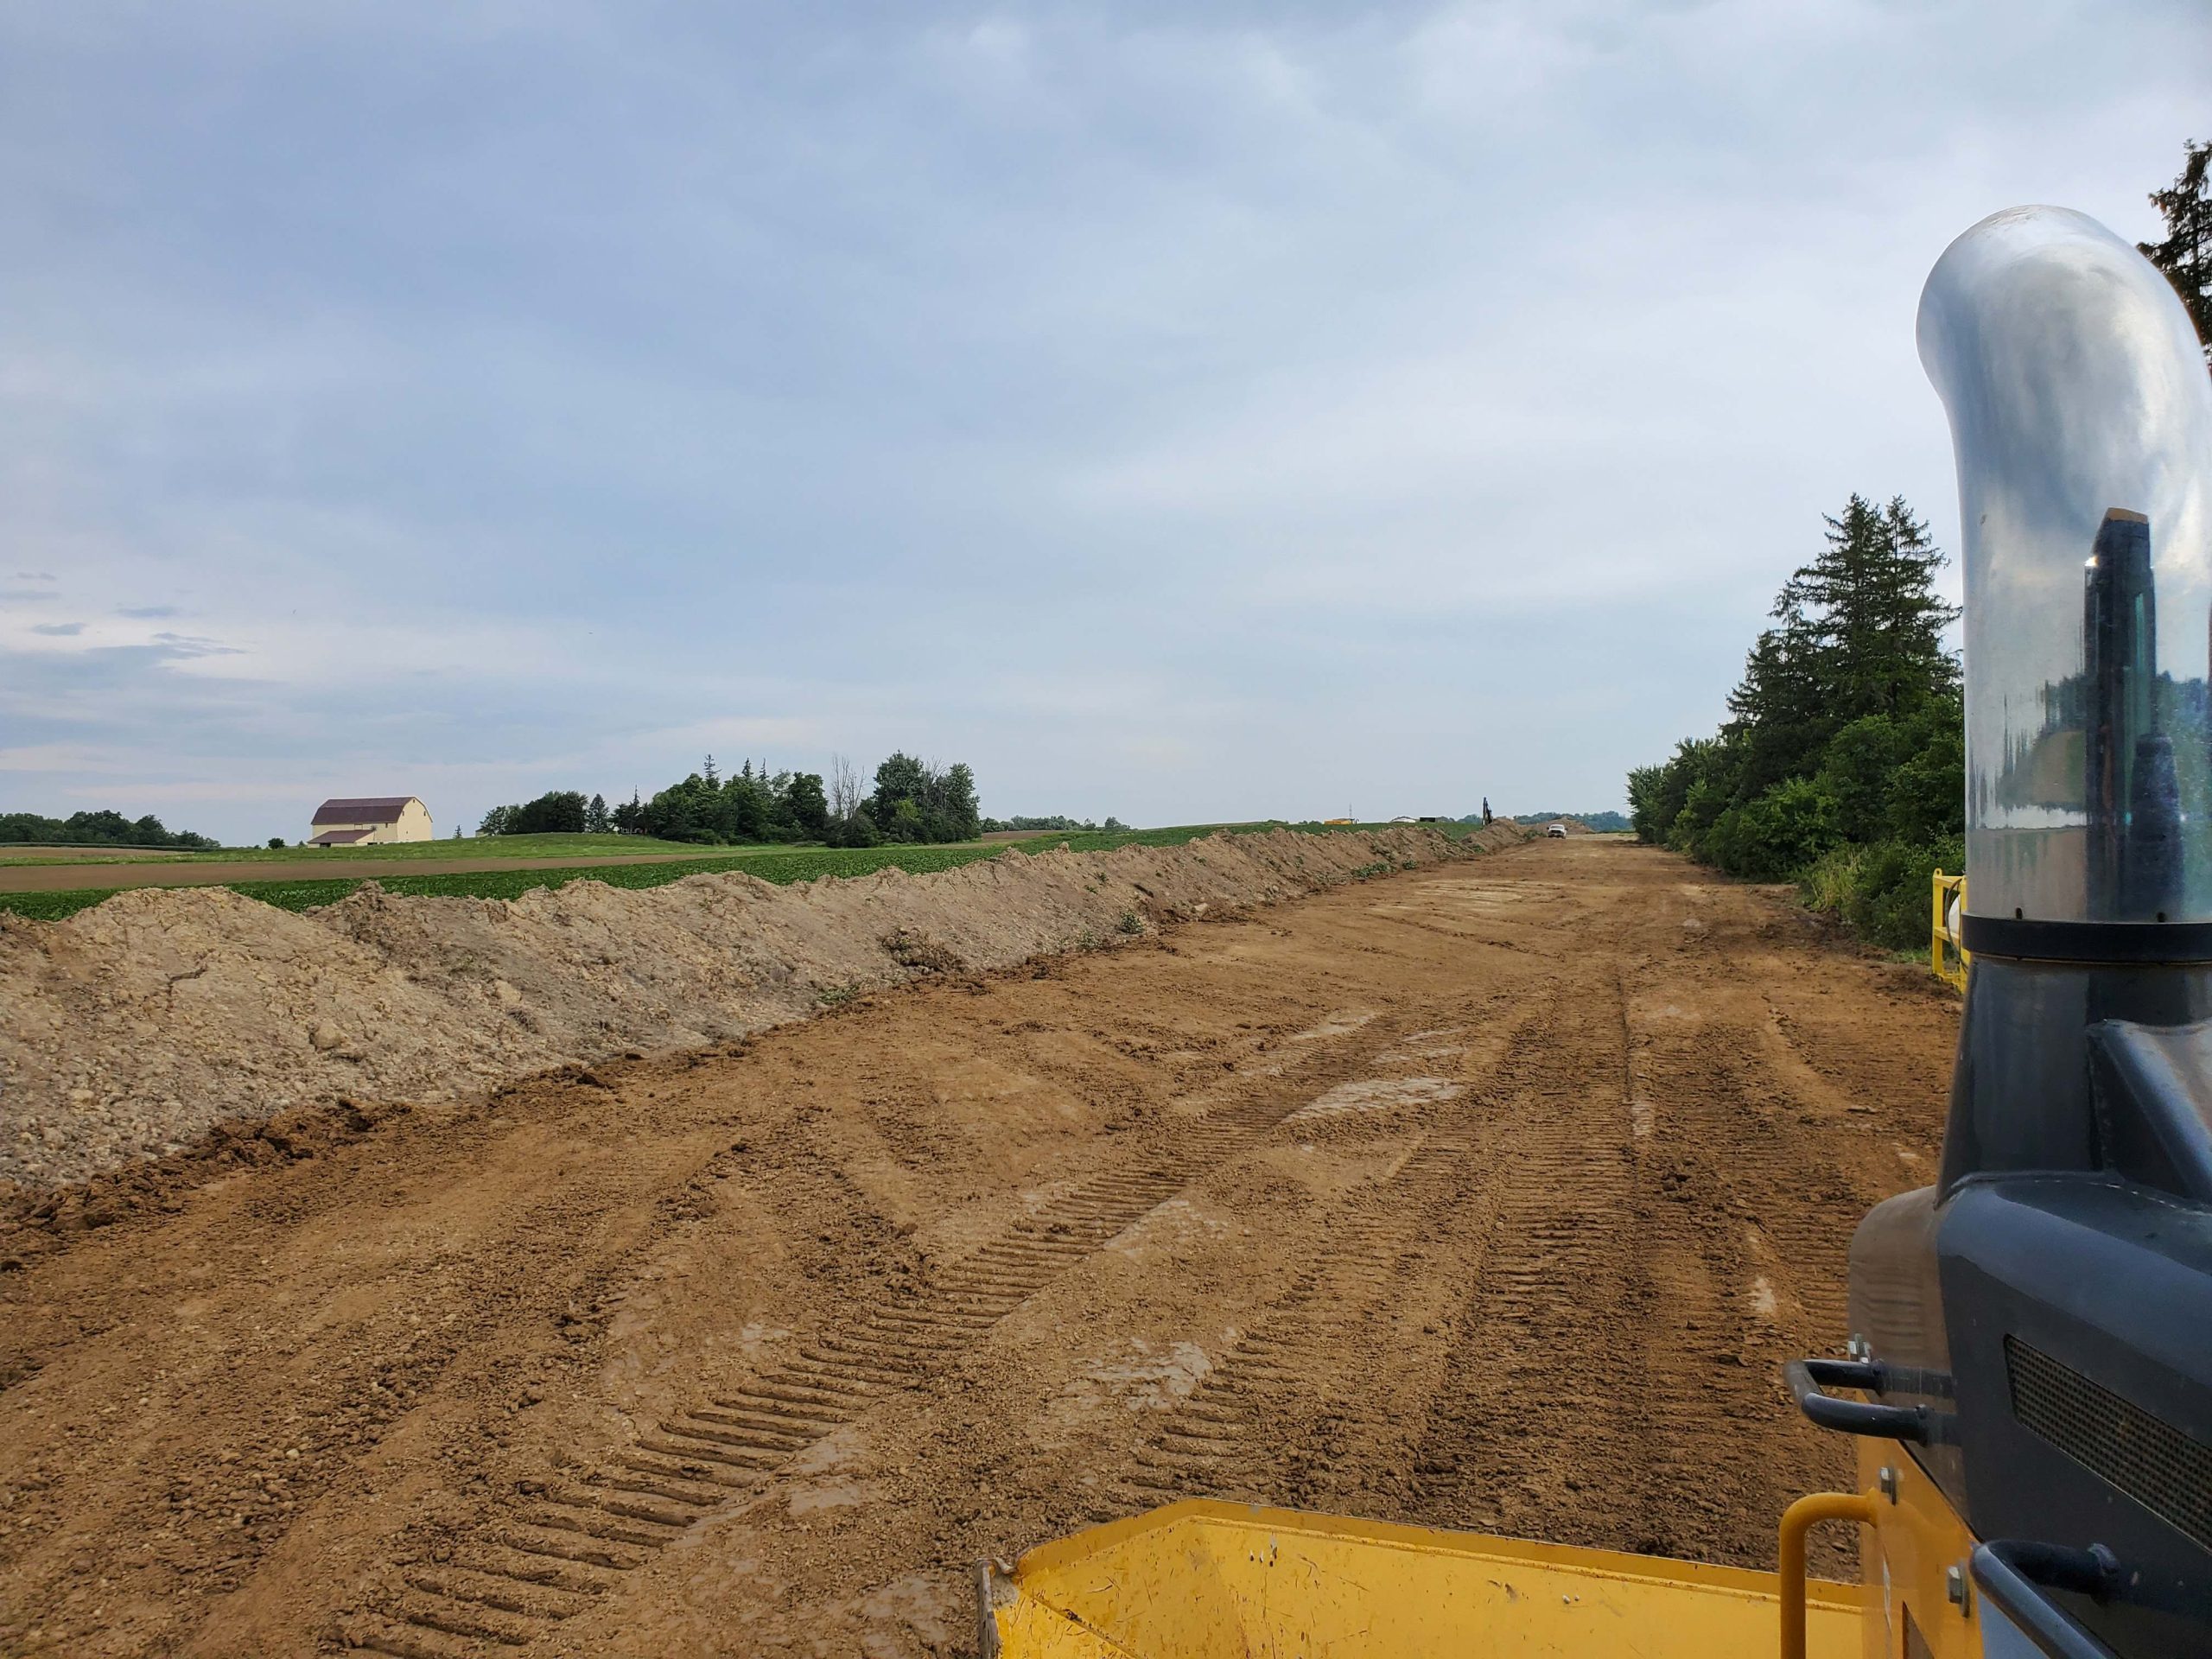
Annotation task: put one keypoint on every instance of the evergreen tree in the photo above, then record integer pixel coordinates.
(1779, 713)
(1868, 615)
(2186, 254)
(596, 822)
(735, 810)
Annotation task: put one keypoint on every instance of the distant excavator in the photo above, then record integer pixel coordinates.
(2030, 1371)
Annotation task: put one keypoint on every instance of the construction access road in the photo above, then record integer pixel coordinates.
(1489, 1195)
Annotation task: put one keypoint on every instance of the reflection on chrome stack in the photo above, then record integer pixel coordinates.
(2130, 793)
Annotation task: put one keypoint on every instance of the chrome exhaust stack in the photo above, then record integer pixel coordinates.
(2082, 419)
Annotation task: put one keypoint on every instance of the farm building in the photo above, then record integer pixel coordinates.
(366, 821)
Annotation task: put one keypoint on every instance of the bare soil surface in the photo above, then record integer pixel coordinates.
(1489, 1194)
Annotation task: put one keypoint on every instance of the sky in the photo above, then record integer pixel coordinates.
(1187, 412)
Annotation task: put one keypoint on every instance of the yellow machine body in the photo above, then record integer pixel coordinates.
(1202, 1580)
(1919, 1604)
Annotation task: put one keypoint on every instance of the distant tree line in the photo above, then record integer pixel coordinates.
(995, 825)
(556, 812)
(95, 830)
(1842, 764)
(911, 801)
(1603, 823)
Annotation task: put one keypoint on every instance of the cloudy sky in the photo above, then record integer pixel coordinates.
(1183, 411)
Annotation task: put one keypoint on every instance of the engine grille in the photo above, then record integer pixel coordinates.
(2167, 1472)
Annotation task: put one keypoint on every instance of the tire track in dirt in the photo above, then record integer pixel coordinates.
(1531, 1406)
(1709, 1356)
(1676, 1228)
(1279, 1412)
(1766, 1167)
(1265, 1424)
(580, 1533)
(1613, 1338)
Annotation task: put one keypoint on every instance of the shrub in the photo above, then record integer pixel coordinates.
(1772, 838)
(1829, 881)
(1702, 806)
(1859, 771)
(1882, 891)
(1896, 907)
(1927, 801)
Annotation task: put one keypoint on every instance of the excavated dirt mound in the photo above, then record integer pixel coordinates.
(133, 1028)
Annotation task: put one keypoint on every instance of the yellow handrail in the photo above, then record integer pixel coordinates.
(1796, 1521)
(1946, 956)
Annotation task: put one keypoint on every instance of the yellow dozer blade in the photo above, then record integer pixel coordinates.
(1209, 1580)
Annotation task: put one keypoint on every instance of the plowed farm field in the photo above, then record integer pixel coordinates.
(1488, 1195)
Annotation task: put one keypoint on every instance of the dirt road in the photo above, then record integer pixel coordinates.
(1490, 1195)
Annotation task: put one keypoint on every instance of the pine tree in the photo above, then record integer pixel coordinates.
(1780, 710)
(2186, 254)
(1872, 623)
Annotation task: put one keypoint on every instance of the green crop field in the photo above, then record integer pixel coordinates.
(401, 851)
(779, 865)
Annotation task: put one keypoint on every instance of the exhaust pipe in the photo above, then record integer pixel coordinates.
(2080, 416)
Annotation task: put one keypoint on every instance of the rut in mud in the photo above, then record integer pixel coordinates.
(1488, 1195)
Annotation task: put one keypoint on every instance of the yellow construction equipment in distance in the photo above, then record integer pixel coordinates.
(1202, 1580)
(1946, 956)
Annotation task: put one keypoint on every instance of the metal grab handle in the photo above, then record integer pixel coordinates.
(2013, 1574)
(1808, 1378)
